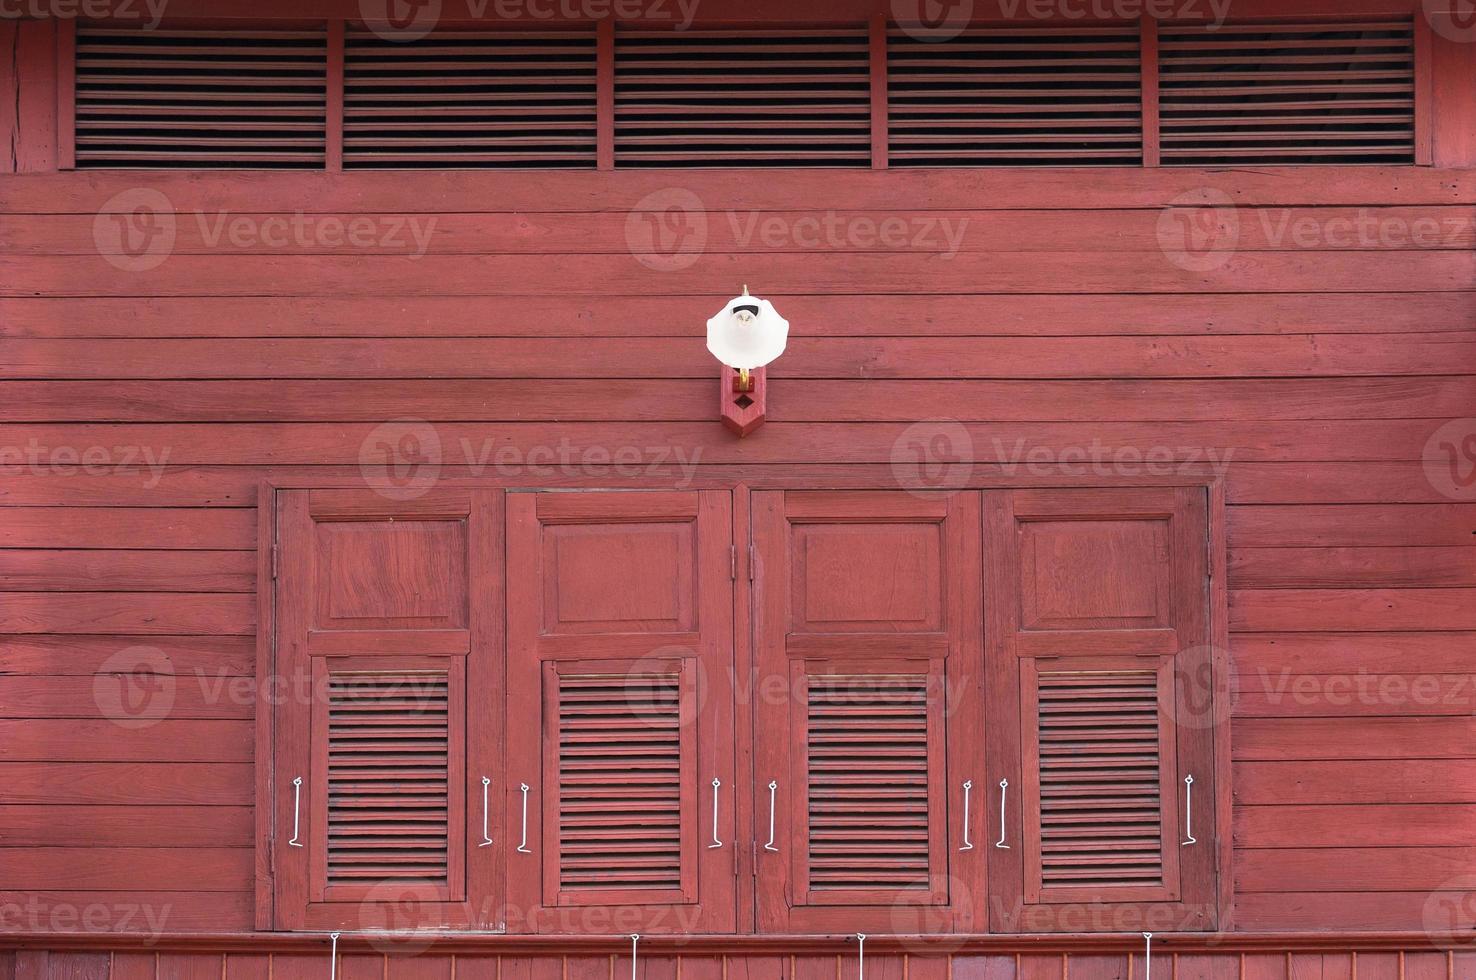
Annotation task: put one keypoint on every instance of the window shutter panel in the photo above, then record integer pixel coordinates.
(388, 616)
(1098, 634)
(866, 610)
(620, 638)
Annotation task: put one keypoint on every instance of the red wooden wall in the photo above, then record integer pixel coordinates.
(143, 407)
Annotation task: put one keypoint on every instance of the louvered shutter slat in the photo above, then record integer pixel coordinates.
(1002, 96)
(1287, 93)
(470, 99)
(742, 98)
(200, 98)
(619, 770)
(397, 785)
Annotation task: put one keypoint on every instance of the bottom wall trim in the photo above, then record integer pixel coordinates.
(408, 964)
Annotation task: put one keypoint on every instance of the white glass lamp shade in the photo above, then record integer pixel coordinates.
(747, 333)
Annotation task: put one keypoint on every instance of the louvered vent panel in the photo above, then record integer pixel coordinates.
(868, 781)
(1015, 97)
(742, 99)
(1288, 93)
(470, 100)
(1099, 779)
(388, 791)
(620, 759)
(180, 98)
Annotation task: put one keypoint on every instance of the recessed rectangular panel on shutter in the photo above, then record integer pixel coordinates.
(1103, 743)
(869, 759)
(622, 764)
(703, 98)
(1336, 92)
(469, 99)
(201, 98)
(620, 640)
(1002, 96)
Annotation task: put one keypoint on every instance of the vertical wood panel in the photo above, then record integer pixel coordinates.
(605, 94)
(66, 94)
(1453, 101)
(333, 114)
(879, 118)
(1149, 49)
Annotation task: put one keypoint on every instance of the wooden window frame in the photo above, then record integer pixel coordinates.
(1216, 810)
(1429, 127)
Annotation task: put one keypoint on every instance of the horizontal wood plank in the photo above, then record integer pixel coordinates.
(231, 614)
(129, 783)
(42, 570)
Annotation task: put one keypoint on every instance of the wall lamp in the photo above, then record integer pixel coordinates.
(745, 335)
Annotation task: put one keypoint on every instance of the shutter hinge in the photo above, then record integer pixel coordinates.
(275, 550)
(751, 562)
(733, 562)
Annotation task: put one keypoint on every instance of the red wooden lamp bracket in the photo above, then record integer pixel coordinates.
(742, 405)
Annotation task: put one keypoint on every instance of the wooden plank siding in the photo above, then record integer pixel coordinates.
(1307, 366)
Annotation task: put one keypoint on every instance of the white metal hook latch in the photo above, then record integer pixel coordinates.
(773, 788)
(1147, 956)
(635, 939)
(296, 811)
(860, 956)
(523, 845)
(333, 957)
(1188, 812)
(716, 842)
(1004, 789)
(486, 837)
(968, 788)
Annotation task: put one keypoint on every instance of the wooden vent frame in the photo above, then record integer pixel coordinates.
(606, 96)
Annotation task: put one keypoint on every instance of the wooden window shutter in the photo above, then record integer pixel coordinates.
(201, 98)
(1288, 93)
(866, 609)
(620, 619)
(1099, 676)
(389, 663)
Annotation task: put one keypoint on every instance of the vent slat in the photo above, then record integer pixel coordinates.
(1287, 93)
(389, 803)
(742, 98)
(990, 96)
(200, 98)
(470, 99)
(1099, 778)
(620, 781)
